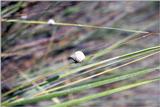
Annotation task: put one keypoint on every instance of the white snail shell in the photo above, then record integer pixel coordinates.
(78, 56)
(24, 17)
(51, 22)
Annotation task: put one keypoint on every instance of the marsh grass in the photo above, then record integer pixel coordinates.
(85, 76)
(139, 55)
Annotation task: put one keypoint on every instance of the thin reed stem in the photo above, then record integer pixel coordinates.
(71, 24)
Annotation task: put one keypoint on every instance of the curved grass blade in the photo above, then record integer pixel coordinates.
(95, 75)
(102, 94)
(111, 59)
(120, 42)
(83, 87)
(99, 67)
(63, 81)
(87, 67)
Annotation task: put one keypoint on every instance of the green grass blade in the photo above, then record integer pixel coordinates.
(111, 59)
(102, 66)
(118, 44)
(84, 87)
(102, 94)
(98, 67)
(11, 9)
(155, 48)
(98, 74)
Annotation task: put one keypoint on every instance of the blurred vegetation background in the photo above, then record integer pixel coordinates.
(30, 50)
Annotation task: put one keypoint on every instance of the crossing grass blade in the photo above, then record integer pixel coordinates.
(129, 55)
(100, 67)
(67, 79)
(104, 93)
(135, 73)
(96, 75)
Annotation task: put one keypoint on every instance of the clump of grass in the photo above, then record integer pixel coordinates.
(81, 77)
(94, 84)
(142, 54)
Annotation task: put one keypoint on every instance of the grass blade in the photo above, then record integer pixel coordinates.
(83, 87)
(70, 24)
(155, 48)
(102, 94)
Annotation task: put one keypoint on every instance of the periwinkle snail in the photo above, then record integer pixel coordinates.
(77, 57)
